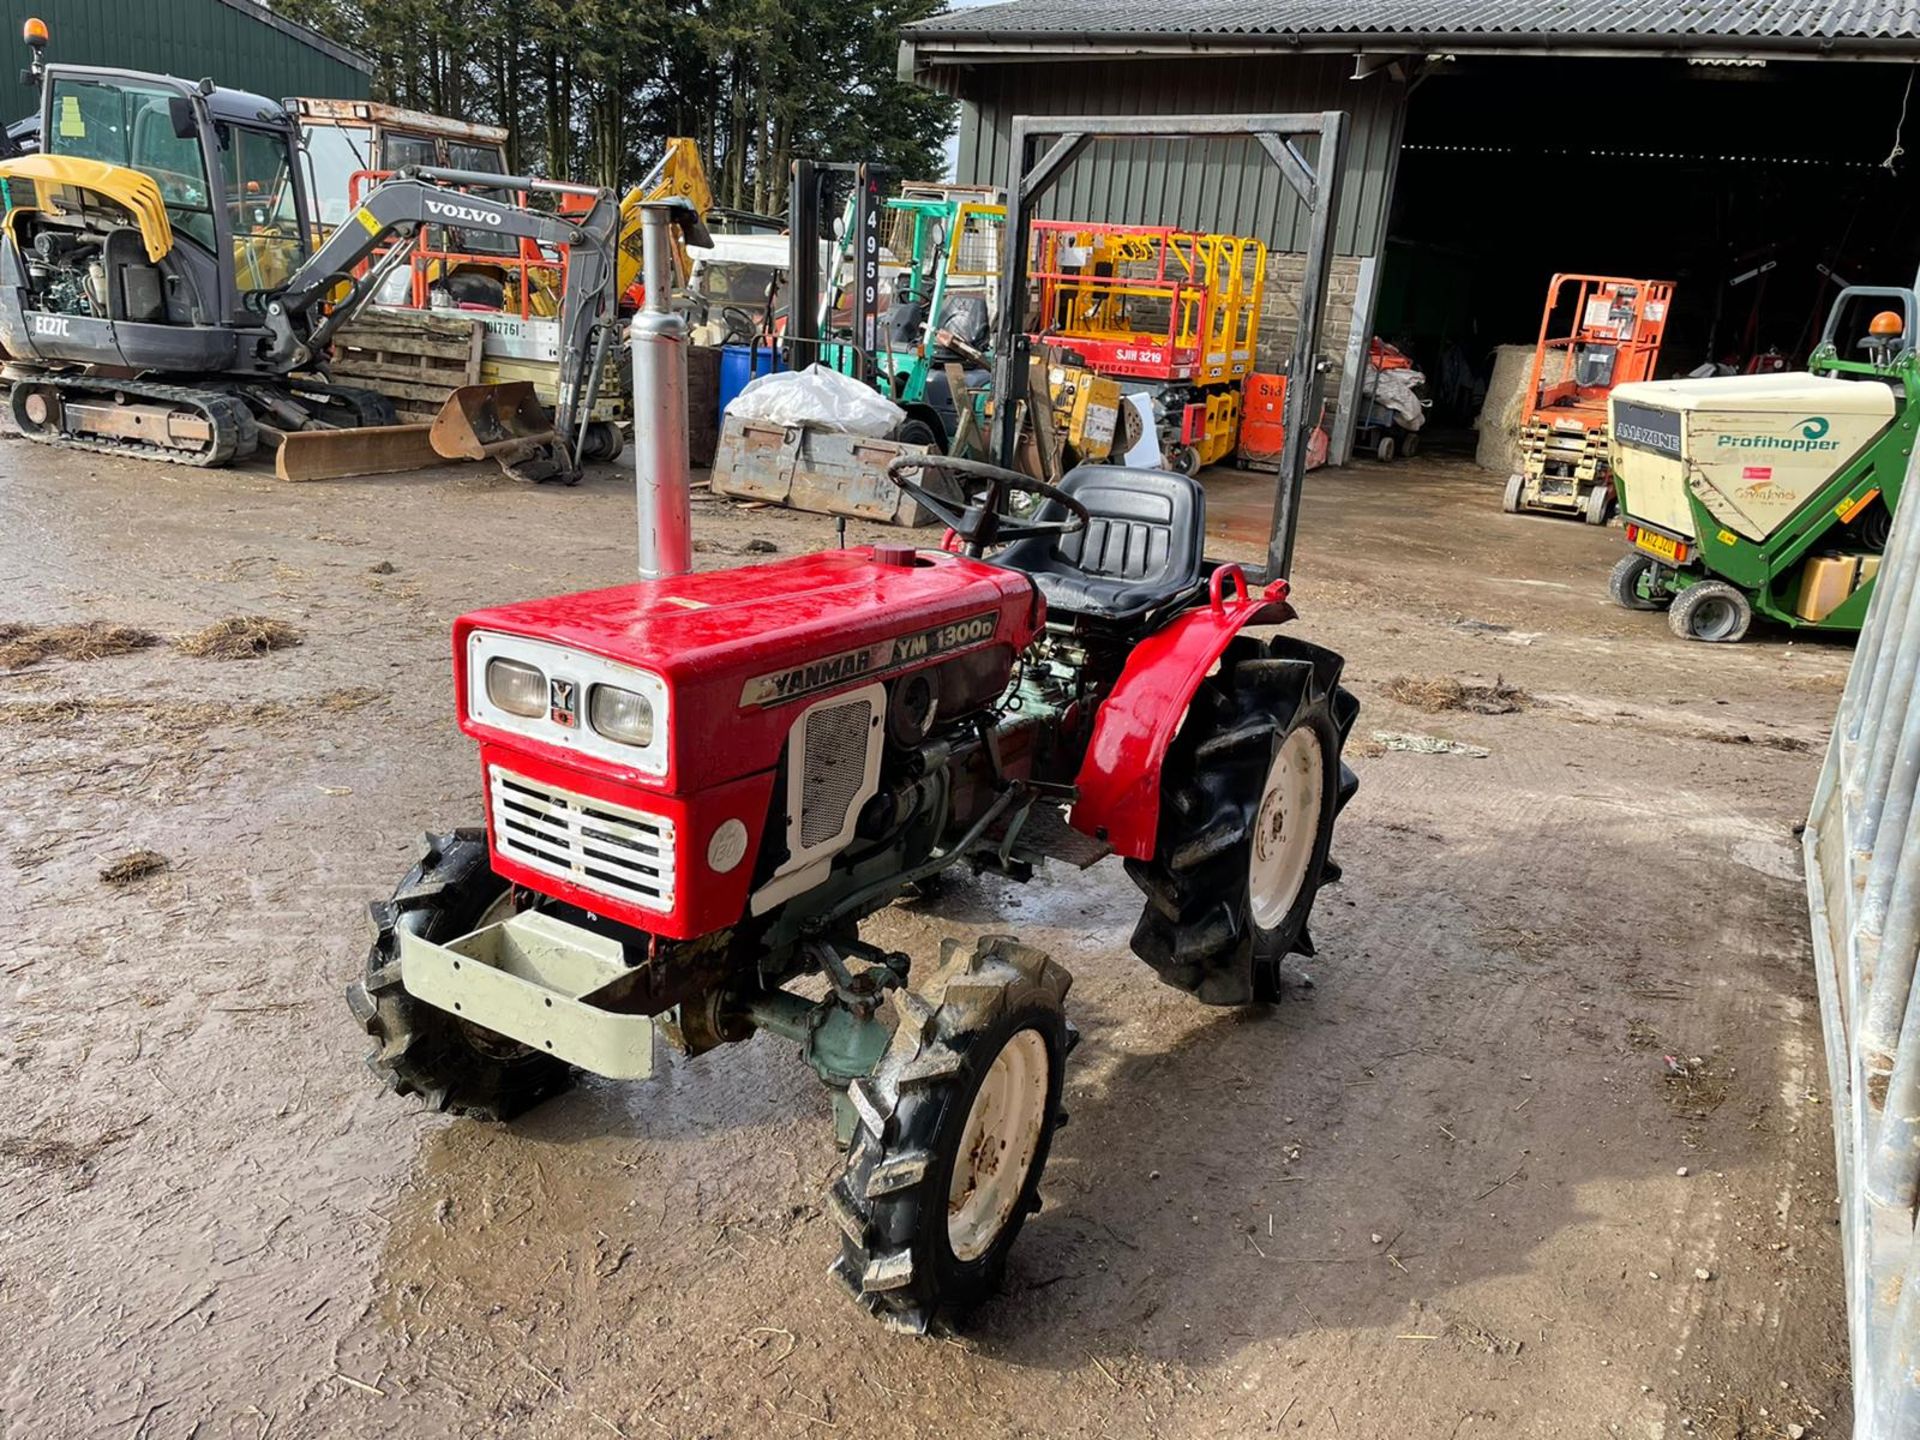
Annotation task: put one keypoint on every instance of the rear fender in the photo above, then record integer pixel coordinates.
(1119, 780)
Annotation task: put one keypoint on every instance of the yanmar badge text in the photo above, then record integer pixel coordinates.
(831, 671)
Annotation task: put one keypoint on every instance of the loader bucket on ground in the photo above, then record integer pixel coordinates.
(506, 423)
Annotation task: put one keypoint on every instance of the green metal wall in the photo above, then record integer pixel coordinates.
(1222, 185)
(238, 45)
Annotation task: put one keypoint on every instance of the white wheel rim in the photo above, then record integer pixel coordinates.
(1285, 828)
(997, 1147)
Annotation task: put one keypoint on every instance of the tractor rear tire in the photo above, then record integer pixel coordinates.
(418, 1048)
(1510, 499)
(953, 1132)
(1598, 505)
(1623, 585)
(1249, 792)
(1713, 611)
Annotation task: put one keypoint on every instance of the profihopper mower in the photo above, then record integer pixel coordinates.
(1770, 494)
(698, 786)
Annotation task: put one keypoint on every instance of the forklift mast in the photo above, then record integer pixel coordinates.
(808, 188)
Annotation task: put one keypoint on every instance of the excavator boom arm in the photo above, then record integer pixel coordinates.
(678, 175)
(423, 196)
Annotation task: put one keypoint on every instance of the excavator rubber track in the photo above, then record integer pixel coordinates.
(201, 427)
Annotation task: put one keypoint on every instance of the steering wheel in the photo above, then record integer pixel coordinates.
(741, 326)
(983, 520)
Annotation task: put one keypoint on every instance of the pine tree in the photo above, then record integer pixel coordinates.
(592, 89)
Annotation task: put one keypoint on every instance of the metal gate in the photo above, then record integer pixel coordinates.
(1862, 845)
(1314, 179)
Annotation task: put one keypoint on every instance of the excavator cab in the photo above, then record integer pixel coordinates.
(236, 216)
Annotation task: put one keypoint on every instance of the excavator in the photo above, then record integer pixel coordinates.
(677, 176)
(162, 293)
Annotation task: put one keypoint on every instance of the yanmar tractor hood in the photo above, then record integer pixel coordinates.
(744, 651)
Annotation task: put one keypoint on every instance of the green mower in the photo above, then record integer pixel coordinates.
(1769, 494)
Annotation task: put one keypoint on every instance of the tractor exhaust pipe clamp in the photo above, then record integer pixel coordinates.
(659, 342)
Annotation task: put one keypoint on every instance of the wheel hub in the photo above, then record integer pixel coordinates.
(1285, 829)
(1713, 619)
(997, 1146)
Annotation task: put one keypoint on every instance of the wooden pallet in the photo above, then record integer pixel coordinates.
(416, 358)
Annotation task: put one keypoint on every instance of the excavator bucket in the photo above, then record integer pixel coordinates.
(506, 423)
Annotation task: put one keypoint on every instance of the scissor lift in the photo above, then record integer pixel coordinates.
(1170, 313)
(1615, 340)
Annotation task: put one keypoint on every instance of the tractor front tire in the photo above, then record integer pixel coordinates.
(1249, 792)
(1713, 611)
(418, 1048)
(1623, 585)
(953, 1132)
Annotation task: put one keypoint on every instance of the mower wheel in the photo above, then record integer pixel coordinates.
(1624, 583)
(954, 1128)
(418, 1048)
(1248, 796)
(1510, 500)
(1598, 505)
(1711, 610)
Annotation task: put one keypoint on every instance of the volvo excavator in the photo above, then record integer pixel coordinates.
(161, 293)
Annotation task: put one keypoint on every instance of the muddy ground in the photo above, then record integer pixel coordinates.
(1543, 1151)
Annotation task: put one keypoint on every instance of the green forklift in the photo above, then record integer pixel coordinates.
(1769, 494)
(942, 248)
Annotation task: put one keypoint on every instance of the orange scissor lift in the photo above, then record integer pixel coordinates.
(1615, 339)
(1172, 314)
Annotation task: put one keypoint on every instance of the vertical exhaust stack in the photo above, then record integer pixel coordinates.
(659, 343)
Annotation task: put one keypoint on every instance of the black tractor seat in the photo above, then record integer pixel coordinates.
(1142, 550)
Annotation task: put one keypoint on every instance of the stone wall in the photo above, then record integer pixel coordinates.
(1280, 319)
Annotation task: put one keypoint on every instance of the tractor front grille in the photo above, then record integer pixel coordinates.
(835, 768)
(621, 853)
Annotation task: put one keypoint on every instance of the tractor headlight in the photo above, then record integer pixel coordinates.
(517, 687)
(620, 715)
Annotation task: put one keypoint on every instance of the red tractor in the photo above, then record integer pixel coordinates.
(697, 787)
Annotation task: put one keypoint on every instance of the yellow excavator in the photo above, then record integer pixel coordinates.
(678, 175)
(161, 294)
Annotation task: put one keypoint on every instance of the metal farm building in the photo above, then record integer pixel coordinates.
(237, 42)
(1492, 143)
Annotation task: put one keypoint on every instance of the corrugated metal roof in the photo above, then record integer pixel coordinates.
(1489, 20)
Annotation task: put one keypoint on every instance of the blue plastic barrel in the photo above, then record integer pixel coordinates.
(741, 363)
